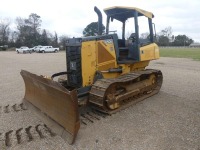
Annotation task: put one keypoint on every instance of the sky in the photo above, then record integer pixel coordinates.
(71, 17)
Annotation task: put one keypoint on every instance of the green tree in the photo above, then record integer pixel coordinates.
(55, 40)
(92, 29)
(24, 33)
(165, 37)
(182, 40)
(44, 38)
(163, 40)
(63, 40)
(34, 21)
(4, 32)
(167, 32)
(29, 30)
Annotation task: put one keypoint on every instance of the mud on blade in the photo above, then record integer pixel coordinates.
(48, 97)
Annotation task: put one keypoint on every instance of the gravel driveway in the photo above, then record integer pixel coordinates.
(168, 120)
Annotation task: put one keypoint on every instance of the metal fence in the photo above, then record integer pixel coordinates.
(179, 47)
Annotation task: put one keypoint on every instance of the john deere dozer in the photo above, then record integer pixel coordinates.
(104, 73)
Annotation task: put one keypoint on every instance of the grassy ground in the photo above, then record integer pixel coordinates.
(193, 53)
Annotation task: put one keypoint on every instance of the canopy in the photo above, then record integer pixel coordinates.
(123, 13)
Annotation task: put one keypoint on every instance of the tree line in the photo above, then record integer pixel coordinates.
(28, 33)
(166, 38)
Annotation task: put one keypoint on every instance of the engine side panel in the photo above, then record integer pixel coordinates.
(149, 52)
(89, 62)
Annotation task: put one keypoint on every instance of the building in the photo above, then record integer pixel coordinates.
(194, 45)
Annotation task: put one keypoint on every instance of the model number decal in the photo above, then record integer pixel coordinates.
(108, 41)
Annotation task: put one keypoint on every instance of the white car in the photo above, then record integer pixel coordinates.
(33, 49)
(37, 49)
(45, 49)
(23, 49)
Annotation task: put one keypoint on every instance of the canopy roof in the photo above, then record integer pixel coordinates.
(123, 13)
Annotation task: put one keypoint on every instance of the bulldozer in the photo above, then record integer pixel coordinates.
(103, 73)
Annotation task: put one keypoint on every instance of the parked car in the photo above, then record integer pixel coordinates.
(45, 49)
(3, 47)
(23, 49)
(33, 49)
(37, 49)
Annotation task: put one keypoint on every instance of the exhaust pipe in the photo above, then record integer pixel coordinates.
(99, 20)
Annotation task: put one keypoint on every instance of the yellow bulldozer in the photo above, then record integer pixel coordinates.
(103, 73)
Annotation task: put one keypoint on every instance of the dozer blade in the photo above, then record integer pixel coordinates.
(56, 106)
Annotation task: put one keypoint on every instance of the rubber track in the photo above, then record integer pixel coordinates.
(24, 135)
(12, 108)
(100, 87)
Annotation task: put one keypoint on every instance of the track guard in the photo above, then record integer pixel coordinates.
(54, 104)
